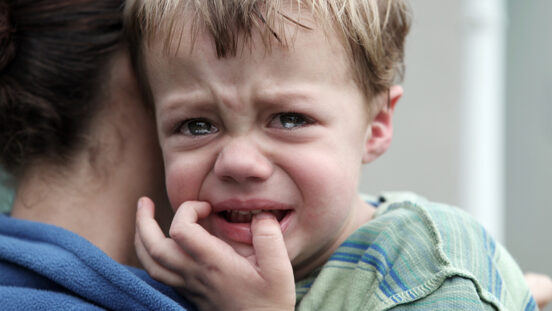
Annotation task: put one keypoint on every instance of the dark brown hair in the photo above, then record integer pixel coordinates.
(53, 57)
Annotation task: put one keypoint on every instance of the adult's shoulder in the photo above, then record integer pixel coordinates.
(46, 265)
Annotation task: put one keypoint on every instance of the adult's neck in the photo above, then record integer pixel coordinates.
(100, 209)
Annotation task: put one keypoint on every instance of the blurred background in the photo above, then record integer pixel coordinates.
(474, 127)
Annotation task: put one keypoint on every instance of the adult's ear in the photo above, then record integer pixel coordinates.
(380, 131)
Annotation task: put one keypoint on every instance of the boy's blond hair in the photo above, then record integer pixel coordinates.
(374, 31)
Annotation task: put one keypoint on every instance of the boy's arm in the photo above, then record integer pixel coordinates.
(207, 271)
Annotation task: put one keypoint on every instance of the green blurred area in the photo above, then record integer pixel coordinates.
(6, 191)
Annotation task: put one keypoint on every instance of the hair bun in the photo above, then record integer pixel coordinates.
(7, 31)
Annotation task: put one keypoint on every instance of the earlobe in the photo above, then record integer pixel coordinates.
(380, 131)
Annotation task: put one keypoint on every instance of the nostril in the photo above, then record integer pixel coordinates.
(241, 179)
(242, 162)
(254, 179)
(227, 179)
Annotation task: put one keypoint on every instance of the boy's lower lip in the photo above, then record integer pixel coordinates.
(241, 232)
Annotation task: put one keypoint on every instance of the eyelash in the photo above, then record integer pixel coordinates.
(305, 120)
(178, 128)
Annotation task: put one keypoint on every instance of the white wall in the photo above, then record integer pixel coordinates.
(424, 156)
(529, 134)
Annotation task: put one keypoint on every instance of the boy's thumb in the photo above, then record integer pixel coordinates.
(270, 249)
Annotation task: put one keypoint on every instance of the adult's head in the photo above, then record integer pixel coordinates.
(54, 59)
(73, 128)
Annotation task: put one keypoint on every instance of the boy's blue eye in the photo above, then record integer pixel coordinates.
(290, 120)
(196, 127)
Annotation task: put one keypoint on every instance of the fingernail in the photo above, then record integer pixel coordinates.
(140, 202)
(264, 215)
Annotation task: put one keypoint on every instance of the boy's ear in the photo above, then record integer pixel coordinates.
(380, 131)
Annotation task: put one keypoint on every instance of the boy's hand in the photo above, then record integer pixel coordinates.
(208, 271)
(541, 288)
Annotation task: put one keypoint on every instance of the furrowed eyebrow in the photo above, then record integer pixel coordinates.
(190, 99)
(295, 94)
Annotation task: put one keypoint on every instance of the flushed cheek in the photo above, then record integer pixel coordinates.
(183, 183)
(325, 185)
(327, 191)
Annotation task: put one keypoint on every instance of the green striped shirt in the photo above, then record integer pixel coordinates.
(417, 255)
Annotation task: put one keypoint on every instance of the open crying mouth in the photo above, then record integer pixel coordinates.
(235, 216)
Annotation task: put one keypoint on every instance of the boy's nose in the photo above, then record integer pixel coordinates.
(241, 161)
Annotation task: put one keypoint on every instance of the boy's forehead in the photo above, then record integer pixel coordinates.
(187, 42)
(186, 29)
(189, 48)
(190, 63)
(372, 32)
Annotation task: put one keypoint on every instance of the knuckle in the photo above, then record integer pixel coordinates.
(155, 274)
(211, 269)
(157, 252)
(139, 223)
(268, 233)
(178, 233)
